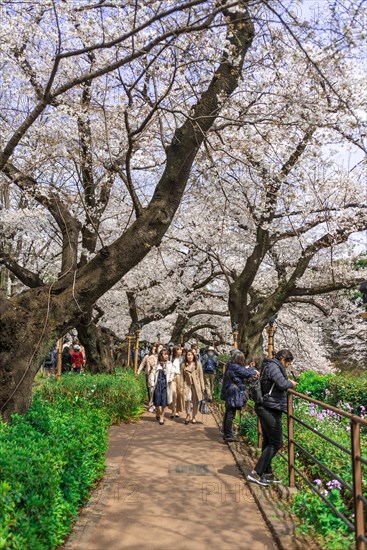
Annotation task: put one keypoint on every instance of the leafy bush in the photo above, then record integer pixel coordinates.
(318, 518)
(119, 396)
(52, 457)
(49, 460)
(348, 389)
(248, 427)
(314, 384)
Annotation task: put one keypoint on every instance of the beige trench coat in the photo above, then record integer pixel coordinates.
(197, 381)
(148, 363)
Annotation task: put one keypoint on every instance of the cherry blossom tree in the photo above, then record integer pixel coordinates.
(68, 70)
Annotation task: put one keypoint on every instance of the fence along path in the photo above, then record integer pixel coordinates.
(171, 486)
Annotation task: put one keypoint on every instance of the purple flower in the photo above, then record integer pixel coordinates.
(317, 482)
(334, 484)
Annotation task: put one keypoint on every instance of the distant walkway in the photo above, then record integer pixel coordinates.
(171, 487)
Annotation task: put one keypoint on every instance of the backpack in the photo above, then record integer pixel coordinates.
(48, 362)
(209, 365)
(256, 393)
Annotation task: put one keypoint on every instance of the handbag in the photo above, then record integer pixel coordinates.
(203, 407)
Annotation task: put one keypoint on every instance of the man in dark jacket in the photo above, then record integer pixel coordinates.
(234, 391)
(274, 385)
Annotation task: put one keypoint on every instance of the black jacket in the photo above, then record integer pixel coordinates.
(234, 384)
(272, 371)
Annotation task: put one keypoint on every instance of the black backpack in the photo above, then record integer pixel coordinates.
(48, 360)
(256, 393)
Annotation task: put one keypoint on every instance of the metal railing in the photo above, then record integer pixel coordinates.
(354, 452)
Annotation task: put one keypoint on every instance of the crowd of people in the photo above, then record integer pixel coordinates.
(72, 358)
(180, 379)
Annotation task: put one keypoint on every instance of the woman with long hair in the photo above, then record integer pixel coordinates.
(274, 386)
(148, 363)
(161, 378)
(192, 385)
(234, 391)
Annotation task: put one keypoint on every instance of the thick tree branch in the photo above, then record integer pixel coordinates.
(27, 277)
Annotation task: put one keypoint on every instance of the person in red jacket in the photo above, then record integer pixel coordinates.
(77, 358)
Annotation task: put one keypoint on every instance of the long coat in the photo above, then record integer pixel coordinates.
(196, 380)
(170, 373)
(148, 363)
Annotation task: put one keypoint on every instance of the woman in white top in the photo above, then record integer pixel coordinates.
(177, 399)
(162, 376)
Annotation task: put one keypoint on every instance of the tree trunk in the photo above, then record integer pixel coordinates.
(97, 345)
(43, 313)
(250, 331)
(25, 337)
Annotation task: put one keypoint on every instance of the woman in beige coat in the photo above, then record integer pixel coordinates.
(192, 385)
(148, 363)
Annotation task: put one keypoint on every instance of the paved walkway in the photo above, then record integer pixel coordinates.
(170, 487)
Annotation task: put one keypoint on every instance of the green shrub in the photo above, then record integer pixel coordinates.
(49, 460)
(348, 390)
(52, 457)
(318, 518)
(119, 396)
(248, 427)
(314, 384)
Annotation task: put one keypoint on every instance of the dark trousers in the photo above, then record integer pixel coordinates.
(229, 415)
(271, 425)
(147, 384)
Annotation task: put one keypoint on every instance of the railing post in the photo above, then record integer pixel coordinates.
(259, 434)
(136, 355)
(357, 484)
(129, 338)
(291, 470)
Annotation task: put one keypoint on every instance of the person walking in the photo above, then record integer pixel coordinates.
(162, 377)
(177, 399)
(234, 391)
(274, 386)
(209, 362)
(66, 360)
(192, 385)
(148, 363)
(49, 363)
(77, 358)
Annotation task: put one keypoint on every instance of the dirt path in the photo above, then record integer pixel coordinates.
(170, 487)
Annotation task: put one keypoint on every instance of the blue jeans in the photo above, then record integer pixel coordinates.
(271, 425)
